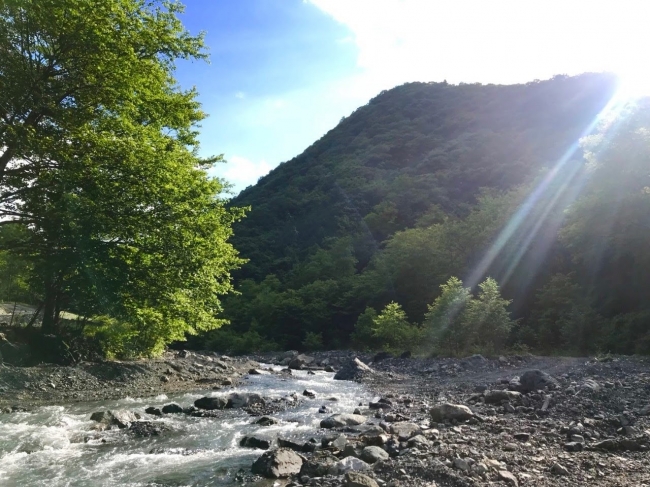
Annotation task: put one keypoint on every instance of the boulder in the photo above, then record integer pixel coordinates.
(120, 418)
(266, 421)
(153, 411)
(255, 442)
(319, 464)
(450, 412)
(243, 400)
(147, 428)
(210, 403)
(348, 464)
(382, 356)
(535, 380)
(508, 478)
(373, 454)
(356, 479)
(172, 408)
(340, 420)
(355, 369)
(280, 463)
(300, 361)
(404, 430)
(309, 393)
(497, 397)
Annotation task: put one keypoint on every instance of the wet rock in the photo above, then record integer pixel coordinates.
(210, 403)
(535, 380)
(355, 369)
(256, 372)
(280, 463)
(147, 428)
(255, 442)
(266, 421)
(243, 400)
(309, 393)
(340, 420)
(120, 418)
(324, 410)
(373, 454)
(172, 408)
(292, 445)
(450, 412)
(153, 411)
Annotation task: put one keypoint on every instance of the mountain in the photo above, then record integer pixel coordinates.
(410, 150)
(429, 181)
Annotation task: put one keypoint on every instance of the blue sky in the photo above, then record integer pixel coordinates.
(284, 72)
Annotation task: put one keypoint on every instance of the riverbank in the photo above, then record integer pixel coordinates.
(46, 384)
(518, 420)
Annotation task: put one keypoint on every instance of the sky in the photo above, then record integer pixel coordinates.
(284, 72)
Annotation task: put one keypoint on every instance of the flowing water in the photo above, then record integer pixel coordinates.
(55, 446)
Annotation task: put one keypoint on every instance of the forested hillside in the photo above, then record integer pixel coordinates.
(429, 182)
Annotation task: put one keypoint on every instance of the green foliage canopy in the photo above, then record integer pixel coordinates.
(100, 167)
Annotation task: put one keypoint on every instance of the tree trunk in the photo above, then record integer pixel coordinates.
(50, 312)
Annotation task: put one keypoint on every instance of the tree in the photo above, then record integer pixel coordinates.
(392, 330)
(444, 323)
(100, 168)
(458, 322)
(489, 318)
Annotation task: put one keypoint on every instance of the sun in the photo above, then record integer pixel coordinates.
(634, 82)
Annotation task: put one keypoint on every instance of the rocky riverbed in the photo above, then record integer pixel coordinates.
(514, 421)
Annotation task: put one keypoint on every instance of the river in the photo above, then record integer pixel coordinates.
(55, 446)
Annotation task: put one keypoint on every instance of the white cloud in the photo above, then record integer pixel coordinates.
(240, 95)
(242, 172)
(497, 41)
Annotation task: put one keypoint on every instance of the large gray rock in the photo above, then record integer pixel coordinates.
(497, 397)
(210, 403)
(172, 409)
(373, 454)
(243, 400)
(535, 380)
(340, 420)
(319, 464)
(348, 464)
(300, 361)
(120, 418)
(448, 411)
(253, 441)
(355, 369)
(405, 430)
(356, 479)
(280, 463)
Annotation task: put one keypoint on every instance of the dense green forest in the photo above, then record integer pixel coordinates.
(450, 219)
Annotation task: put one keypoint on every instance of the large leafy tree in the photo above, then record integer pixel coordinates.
(99, 163)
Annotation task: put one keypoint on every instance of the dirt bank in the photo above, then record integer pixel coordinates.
(27, 387)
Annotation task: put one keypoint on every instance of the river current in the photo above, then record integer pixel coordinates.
(55, 446)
